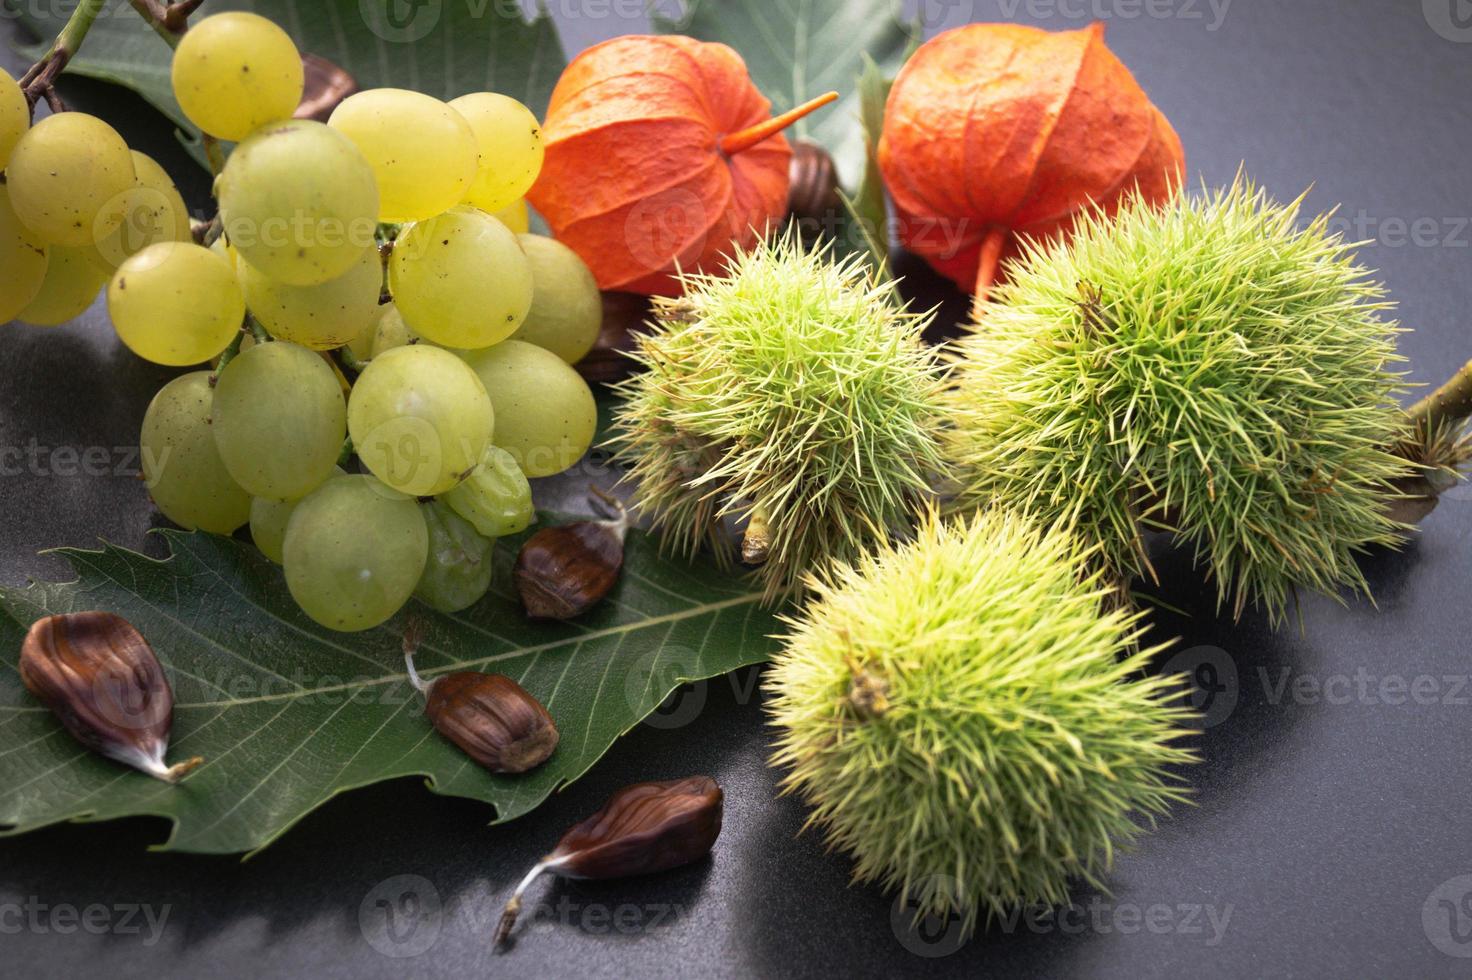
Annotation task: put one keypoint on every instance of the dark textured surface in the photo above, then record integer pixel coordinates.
(1332, 818)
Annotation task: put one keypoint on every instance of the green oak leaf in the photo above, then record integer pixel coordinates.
(288, 714)
(798, 49)
(443, 48)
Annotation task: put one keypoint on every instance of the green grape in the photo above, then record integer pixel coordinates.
(72, 283)
(510, 142)
(235, 72)
(186, 477)
(299, 202)
(279, 420)
(545, 414)
(353, 552)
(515, 216)
(64, 173)
(461, 279)
(385, 333)
(15, 116)
(567, 308)
(422, 151)
(458, 572)
(269, 518)
(150, 211)
(323, 316)
(23, 259)
(176, 303)
(419, 419)
(496, 498)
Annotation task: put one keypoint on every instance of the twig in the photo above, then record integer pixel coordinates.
(40, 81)
(1450, 404)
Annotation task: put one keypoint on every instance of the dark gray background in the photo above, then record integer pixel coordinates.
(1331, 818)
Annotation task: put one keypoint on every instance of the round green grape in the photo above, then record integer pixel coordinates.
(461, 280)
(15, 116)
(176, 303)
(419, 419)
(496, 498)
(323, 316)
(280, 420)
(72, 283)
(545, 413)
(269, 518)
(185, 475)
(386, 332)
(64, 173)
(509, 139)
(567, 308)
(235, 72)
(458, 572)
(515, 216)
(353, 552)
(149, 212)
(23, 257)
(422, 151)
(299, 202)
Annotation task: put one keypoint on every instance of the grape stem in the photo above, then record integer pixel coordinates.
(348, 449)
(40, 81)
(257, 332)
(228, 354)
(348, 361)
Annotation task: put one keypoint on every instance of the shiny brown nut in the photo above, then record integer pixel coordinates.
(326, 86)
(813, 187)
(642, 829)
(562, 572)
(103, 682)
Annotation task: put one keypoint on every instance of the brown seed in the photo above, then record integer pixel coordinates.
(101, 679)
(326, 86)
(562, 572)
(489, 716)
(623, 315)
(642, 829)
(813, 185)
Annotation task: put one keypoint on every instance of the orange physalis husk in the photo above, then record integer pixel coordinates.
(661, 155)
(996, 131)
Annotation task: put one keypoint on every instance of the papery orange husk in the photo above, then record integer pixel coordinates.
(997, 131)
(661, 155)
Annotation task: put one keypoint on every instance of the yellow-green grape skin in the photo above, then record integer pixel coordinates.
(176, 303)
(567, 308)
(354, 551)
(72, 283)
(496, 498)
(458, 571)
(299, 202)
(279, 420)
(419, 419)
(509, 139)
(515, 216)
(23, 261)
(461, 280)
(269, 518)
(235, 72)
(149, 212)
(323, 316)
(423, 153)
(15, 116)
(186, 476)
(386, 332)
(545, 413)
(64, 173)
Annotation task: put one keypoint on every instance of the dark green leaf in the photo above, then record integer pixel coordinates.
(288, 714)
(867, 209)
(799, 49)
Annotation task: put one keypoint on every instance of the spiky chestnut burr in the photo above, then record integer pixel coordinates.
(968, 722)
(1209, 368)
(794, 395)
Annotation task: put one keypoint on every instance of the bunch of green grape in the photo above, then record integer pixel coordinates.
(392, 350)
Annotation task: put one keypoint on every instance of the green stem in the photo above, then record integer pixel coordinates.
(348, 361)
(346, 456)
(1448, 405)
(257, 332)
(228, 354)
(41, 79)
